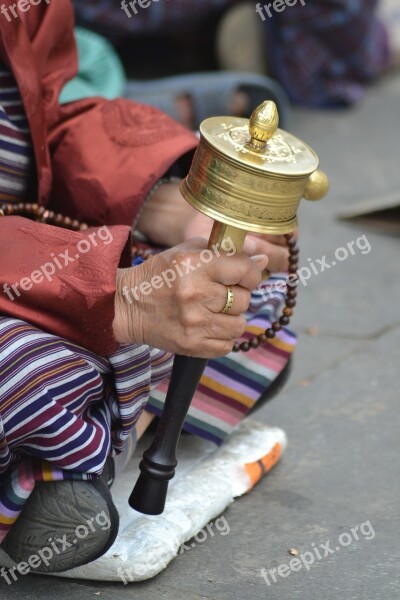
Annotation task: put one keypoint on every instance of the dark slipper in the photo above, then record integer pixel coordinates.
(63, 525)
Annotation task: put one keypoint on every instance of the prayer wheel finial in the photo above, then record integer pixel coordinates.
(264, 123)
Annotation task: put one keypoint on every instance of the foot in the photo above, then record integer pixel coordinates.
(63, 525)
(239, 107)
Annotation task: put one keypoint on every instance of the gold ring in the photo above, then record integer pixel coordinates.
(229, 300)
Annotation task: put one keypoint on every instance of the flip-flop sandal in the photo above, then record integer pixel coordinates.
(211, 93)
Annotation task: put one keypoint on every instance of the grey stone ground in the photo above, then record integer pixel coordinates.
(340, 408)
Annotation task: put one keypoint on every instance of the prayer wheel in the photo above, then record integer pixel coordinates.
(249, 176)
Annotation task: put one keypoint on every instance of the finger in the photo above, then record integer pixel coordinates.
(236, 270)
(278, 258)
(277, 240)
(225, 327)
(252, 242)
(278, 255)
(219, 299)
(211, 349)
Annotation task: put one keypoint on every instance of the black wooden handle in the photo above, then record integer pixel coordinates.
(159, 460)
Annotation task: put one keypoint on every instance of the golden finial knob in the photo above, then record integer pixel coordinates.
(317, 186)
(263, 124)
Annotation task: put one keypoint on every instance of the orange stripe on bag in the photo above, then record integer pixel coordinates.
(256, 470)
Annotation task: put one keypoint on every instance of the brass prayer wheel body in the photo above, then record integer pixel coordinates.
(251, 175)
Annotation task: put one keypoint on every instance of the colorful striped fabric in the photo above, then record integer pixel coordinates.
(62, 404)
(16, 151)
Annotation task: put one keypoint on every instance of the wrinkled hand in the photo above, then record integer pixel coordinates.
(184, 316)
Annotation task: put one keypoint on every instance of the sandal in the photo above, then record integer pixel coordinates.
(210, 93)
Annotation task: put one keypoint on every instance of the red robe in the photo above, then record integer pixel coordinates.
(95, 160)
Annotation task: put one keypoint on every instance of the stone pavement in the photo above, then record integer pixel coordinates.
(340, 409)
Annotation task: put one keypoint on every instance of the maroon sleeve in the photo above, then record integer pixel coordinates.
(106, 155)
(62, 281)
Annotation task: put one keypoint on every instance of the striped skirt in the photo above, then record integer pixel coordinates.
(64, 410)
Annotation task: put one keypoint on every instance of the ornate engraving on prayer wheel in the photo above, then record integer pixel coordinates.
(251, 174)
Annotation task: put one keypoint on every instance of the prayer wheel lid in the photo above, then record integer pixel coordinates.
(257, 143)
(250, 175)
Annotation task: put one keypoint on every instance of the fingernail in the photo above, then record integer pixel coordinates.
(261, 259)
(258, 257)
